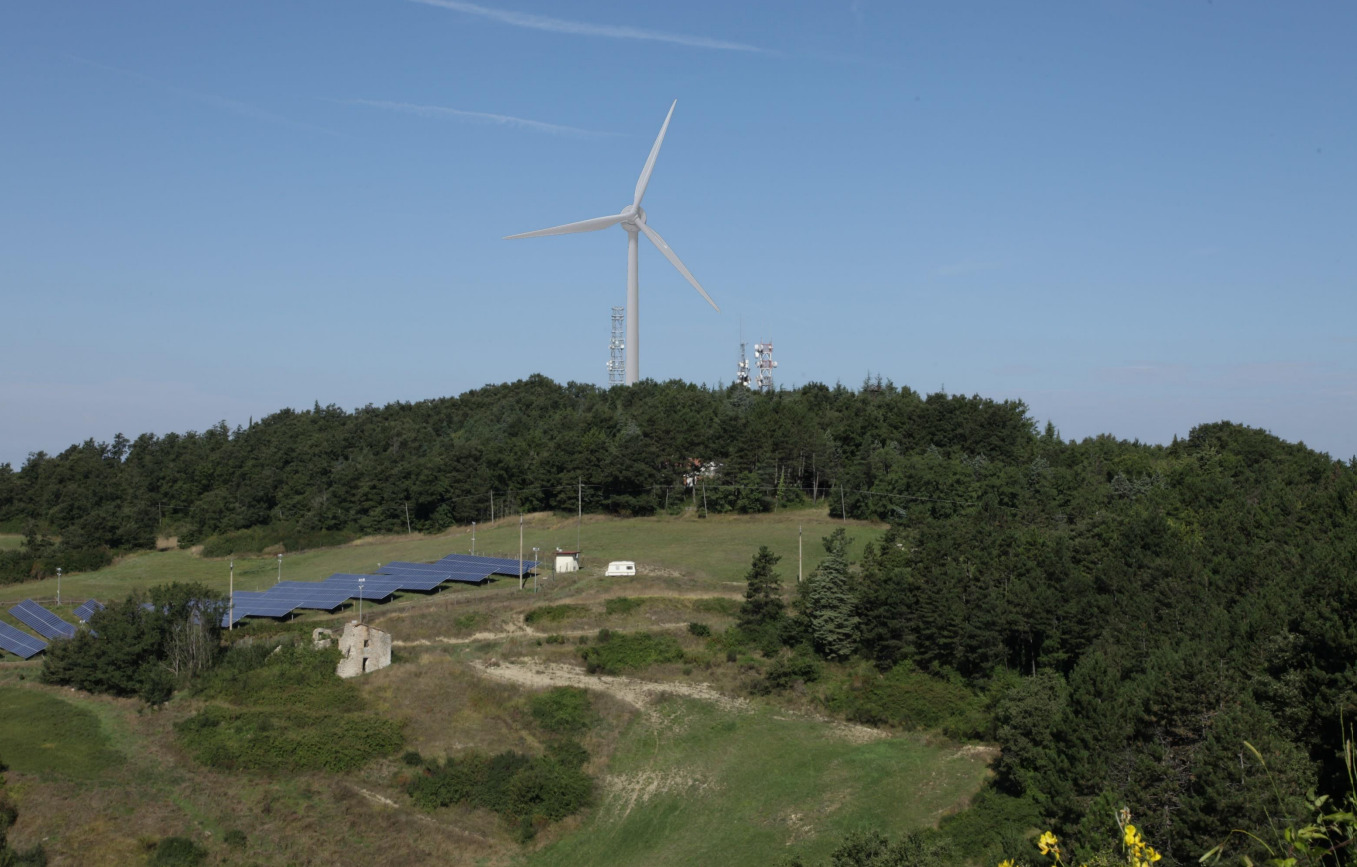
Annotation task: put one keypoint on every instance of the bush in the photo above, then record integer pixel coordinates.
(553, 613)
(177, 852)
(718, 605)
(547, 788)
(905, 697)
(701, 630)
(235, 838)
(622, 605)
(555, 638)
(565, 710)
(412, 758)
(287, 740)
(618, 651)
(287, 535)
(787, 670)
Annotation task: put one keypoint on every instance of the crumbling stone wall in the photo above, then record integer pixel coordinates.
(362, 649)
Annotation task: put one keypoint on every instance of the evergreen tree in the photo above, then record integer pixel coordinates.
(828, 602)
(763, 606)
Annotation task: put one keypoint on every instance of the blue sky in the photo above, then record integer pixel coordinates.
(1135, 216)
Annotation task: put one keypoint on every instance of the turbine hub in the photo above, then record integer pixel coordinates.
(633, 215)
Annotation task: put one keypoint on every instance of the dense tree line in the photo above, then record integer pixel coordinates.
(521, 446)
(1128, 616)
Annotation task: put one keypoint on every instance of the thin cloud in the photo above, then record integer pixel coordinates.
(477, 117)
(581, 28)
(233, 106)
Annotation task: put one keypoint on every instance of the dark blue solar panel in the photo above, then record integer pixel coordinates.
(251, 604)
(42, 621)
(20, 643)
(449, 571)
(309, 594)
(86, 611)
(496, 565)
(375, 587)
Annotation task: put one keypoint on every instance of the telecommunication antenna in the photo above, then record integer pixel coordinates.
(763, 360)
(617, 348)
(742, 370)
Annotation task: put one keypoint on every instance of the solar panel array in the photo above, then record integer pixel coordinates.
(86, 611)
(20, 643)
(42, 621)
(285, 597)
(497, 565)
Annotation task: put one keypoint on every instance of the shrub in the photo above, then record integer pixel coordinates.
(718, 605)
(177, 852)
(622, 605)
(235, 838)
(412, 758)
(280, 739)
(619, 651)
(905, 697)
(787, 670)
(555, 638)
(565, 710)
(547, 788)
(553, 613)
(701, 630)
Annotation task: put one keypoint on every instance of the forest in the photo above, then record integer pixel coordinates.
(1121, 618)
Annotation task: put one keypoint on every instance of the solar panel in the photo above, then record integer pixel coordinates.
(41, 620)
(86, 611)
(495, 565)
(20, 643)
(375, 587)
(309, 594)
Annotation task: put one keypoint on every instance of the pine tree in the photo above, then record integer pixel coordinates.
(829, 602)
(763, 606)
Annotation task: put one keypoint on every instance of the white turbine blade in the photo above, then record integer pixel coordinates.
(644, 181)
(570, 228)
(673, 258)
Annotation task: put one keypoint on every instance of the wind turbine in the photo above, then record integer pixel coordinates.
(633, 219)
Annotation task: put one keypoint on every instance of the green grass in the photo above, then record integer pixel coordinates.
(11, 541)
(727, 787)
(686, 552)
(43, 734)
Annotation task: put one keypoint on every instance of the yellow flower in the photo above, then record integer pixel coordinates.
(1007, 862)
(1048, 844)
(1130, 836)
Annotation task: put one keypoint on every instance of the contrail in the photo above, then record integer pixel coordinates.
(477, 117)
(580, 28)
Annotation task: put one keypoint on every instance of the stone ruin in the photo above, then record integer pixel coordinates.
(362, 648)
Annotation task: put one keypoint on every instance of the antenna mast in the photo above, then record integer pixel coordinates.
(763, 355)
(742, 369)
(617, 349)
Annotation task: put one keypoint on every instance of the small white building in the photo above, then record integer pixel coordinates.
(567, 561)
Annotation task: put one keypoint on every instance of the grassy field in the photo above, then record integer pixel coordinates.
(11, 541)
(690, 551)
(693, 773)
(693, 783)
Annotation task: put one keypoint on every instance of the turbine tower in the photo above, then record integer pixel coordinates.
(633, 219)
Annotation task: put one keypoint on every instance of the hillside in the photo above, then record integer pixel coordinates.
(100, 778)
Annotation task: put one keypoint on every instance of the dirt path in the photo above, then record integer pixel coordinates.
(533, 672)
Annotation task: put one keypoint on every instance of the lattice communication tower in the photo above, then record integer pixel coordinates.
(763, 360)
(617, 349)
(742, 370)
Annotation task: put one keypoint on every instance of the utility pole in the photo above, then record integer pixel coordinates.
(58, 585)
(843, 510)
(579, 510)
(798, 553)
(534, 568)
(407, 519)
(704, 498)
(231, 594)
(280, 569)
(520, 550)
(492, 507)
(473, 538)
(360, 599)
